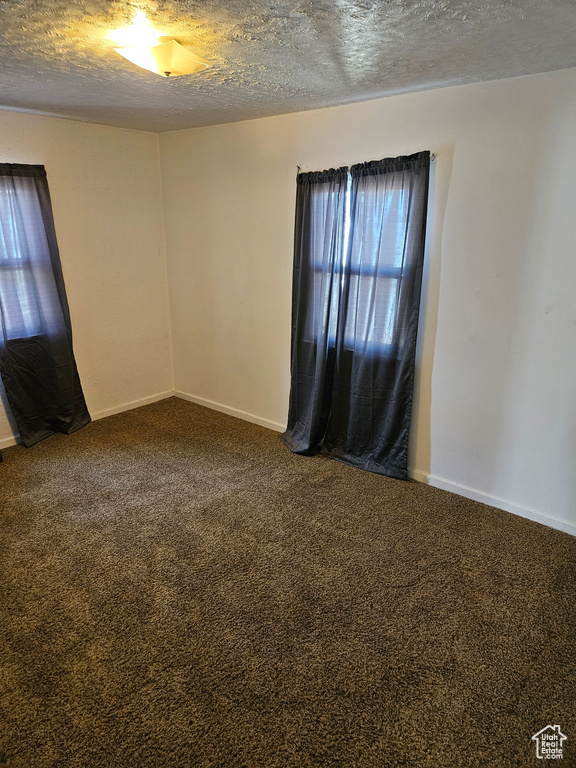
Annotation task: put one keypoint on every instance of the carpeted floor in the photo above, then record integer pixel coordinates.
(179, 591)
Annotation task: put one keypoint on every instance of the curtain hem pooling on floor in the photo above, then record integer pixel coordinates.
(37, 362)
(358, 261)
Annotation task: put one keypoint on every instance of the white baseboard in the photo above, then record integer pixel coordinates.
(132, 404)
(9, 441)
(415, 474)
(496, 501)
(231, 411)
(6, 442)
(418, 475)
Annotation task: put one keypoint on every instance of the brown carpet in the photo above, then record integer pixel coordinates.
(178, 590)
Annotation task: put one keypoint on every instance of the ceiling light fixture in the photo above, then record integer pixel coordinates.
(149, 49)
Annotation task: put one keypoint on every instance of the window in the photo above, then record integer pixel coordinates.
(37, 363)
(18, 292)
(368, 272)
(358, 259)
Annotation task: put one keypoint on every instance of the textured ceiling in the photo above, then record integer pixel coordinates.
(270, 57)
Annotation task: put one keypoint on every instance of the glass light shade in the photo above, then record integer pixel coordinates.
(166, 59)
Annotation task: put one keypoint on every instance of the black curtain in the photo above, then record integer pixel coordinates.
(358, 259)
(37, 363)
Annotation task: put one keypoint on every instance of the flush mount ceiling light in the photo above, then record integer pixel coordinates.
(166, 59)
(149, 49)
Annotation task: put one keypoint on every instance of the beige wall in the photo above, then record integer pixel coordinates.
(106, 197)
(495, 414)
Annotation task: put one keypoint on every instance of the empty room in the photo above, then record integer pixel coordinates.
(287, 384)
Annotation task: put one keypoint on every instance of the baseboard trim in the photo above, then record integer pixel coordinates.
(415, 474)
(131, 405)
(7, 442)
(418, 475)
(496, 501)
(274, 425)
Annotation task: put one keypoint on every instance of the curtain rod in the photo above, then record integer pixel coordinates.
(432, 158)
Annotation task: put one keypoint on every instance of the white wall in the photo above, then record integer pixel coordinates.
(106, 198)
(495, 413)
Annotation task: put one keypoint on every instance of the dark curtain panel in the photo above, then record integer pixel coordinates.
(319, 240)
(354, 403)
(36, 359)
